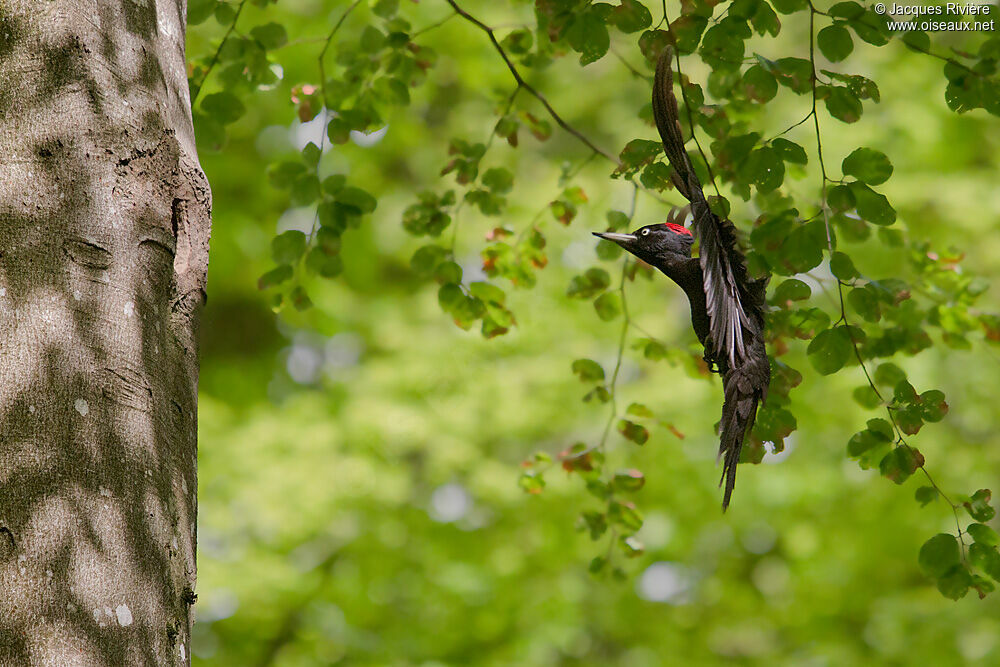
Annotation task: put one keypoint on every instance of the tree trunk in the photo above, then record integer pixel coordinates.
(104, 225)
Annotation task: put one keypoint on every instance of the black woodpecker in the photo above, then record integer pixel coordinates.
(727, 307)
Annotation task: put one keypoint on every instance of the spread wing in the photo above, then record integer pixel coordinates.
(722, 263)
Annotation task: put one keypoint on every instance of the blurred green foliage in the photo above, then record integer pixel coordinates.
(361, 455)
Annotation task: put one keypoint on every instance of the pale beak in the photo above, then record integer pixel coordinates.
(617, 238)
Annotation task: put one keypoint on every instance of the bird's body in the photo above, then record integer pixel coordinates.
(727, 307)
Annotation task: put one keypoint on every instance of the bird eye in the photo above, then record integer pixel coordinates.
(645, 232)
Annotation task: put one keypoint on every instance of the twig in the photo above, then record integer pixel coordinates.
(527, 86)
(900, 439)
(432, 26)
(215, 57)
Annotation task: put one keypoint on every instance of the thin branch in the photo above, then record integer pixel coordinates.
(527, 86)
(326, 110)
(636, 73)
(489, 142)
(900, 439)
(215, 56)
(792, 127)
(432, 26)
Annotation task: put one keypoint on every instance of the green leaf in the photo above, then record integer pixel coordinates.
(224, 14)
(588, 36)
(765, 169)
(448, 272)
(628, 481)
(334, 184)
(270, 35)
(636, 433)
(791, 290)
(939, 554)
(802, 249)
(300, 299)
(842, 267)
(639, 410)
(588, 370)
(631, 16)
(882, 429)
(868, 165)
(386, 8)
(449, 296)
(917, 40)
(869, 447)
(909, 420)
(305, 189)
(760, 85)
(978, 506)
(794, 73)
(872, 206)
(392, 91)
(866, 397)
(830, 350)
(372, 39)
(625, 516)
(983, 534)
(531, 482)
(288, 247)
(631, 546)
(835, 42)
(590, 284)
(986, 558)
(864, 301)
(847, 10)
(274, 277)
(841, 198)
(722, 46)
(595, 522)
(901, 462)
(925, 495)
(889, 374)
(765, 21)
(790, 6)
(357, 199)
(608, 306)
(933, 405)
(518, 42)
(656, 176)
(487, 292)
(687, 29)
(311, 154)
(499, 180)
(637, 154)
(284, 174)
(955, 583)
(843, 104)
(871, 28)
(224, 107)
(199, 10)
(790, 151)
(324, 263)
(616, 220)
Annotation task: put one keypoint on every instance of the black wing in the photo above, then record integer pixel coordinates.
(735, 304)
(727, 287)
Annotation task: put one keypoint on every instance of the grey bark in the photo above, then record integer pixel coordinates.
(104, 225)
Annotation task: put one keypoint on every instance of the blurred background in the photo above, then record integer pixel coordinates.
(359, 462)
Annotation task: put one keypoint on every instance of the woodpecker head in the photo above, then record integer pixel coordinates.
(654, 244)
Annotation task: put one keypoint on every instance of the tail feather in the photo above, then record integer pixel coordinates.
(739, 411)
